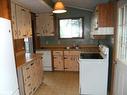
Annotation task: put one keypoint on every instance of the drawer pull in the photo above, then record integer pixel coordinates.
(28, 77)
(29, 84)
(65, 58)
(27, 68)
(32, 64)
(34, 89)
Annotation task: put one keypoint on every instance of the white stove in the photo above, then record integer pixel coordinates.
(94, 72)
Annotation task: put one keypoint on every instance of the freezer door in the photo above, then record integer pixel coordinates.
(16, 92)
(8, 77)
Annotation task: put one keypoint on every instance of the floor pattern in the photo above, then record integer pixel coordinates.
(59, 83)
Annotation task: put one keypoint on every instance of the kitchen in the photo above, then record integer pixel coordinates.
(44, 49)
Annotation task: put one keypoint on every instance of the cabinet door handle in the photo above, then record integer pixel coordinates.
(34, 88)
(32, 64)
(29, 84)
(65, 58)
(23, 9)
(27, 68)
(28, 77)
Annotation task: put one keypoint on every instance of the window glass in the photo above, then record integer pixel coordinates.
(122, 34)
(126, 14)
(121, 14)
(71, 28)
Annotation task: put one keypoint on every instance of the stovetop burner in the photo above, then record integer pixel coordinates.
(90, 56)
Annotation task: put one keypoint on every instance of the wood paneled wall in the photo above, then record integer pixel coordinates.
(5, 9)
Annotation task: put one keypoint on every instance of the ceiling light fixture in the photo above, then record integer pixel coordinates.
(59, 7)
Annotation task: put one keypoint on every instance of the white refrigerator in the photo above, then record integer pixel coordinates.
(8, 76)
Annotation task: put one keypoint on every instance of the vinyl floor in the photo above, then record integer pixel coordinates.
(59, 83)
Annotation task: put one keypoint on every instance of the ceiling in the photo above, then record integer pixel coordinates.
(39, 6)
(82, 4)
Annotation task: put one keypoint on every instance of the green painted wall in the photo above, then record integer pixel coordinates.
(72, 12)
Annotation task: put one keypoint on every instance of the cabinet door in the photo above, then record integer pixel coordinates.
(74, 60)
(71, 60)
(40, 70)
(105, 15)
(28, 89)
(27, 73)
(45, 24)
(68, 63)
(4, 9)
(29, 25)
(19, 20)
(25, 22)
(27, 77)
(13, 17)
(58, 63)
(102, 15)
(58, 60)
(23, 19)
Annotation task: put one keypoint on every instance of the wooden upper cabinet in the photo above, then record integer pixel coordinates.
(105, 14)
(110, 14)
(21, 21)
(102, 22)
(13, 19)
(5, 9)
(45, 24)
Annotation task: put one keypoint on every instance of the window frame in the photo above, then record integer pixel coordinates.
(121, 37)
(71, 18)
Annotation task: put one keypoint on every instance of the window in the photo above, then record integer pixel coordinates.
(71, 28)
(122, 34)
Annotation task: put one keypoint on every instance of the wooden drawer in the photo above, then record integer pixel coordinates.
(71, 52)
(28, 88)
(27, 78)
(66, 53)
(26, 70)
(57, 52)
(74, 52)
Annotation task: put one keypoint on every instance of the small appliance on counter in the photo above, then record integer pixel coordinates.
(28, 47)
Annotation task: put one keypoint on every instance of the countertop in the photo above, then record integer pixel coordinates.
(83, 48)
(21, 59)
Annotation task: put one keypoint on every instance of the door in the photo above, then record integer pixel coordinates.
(120, 82)
(120, 72)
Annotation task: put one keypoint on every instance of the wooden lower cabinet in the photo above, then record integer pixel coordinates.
(66, 60)
(71, 60)
(30, 76)
(58, 60)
